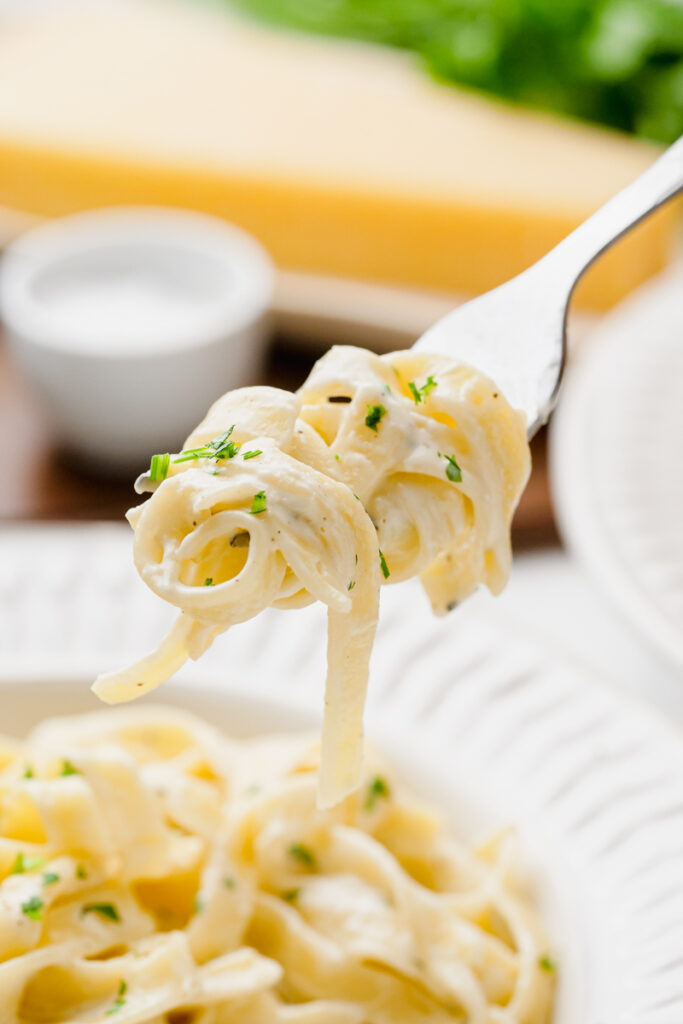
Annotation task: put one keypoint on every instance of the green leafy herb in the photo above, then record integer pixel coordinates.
(68, 769)
(547, 964)
(158, 467)
(23, 864)
(208, 582)
(453, 471)
(229, 882)
(120, 999)
(81, 873)
(220, 447)
(107, 910)
(49, 878)
(377, 788)
(28, 772)
(351, 585)
(616, 62)
(253, 454)
(33, 908)
(258, 505)
(375, 414)
(198, 904)
(291, 895)
(414, 392)
(383, 566)
(303, 853)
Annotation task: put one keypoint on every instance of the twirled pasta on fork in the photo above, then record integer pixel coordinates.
(378, 469)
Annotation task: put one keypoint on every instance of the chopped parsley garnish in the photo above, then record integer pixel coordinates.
(23, 864)
(81, 872)
(220, 447)
(351, 585)
(420, 393)
(49, 878)
(229, 882)
(28, 772)
(303, 853)
(338, 458)
(546, 964)
(258, 504)
(291, 895)
(383, 566)
(198, 904)
(252, 454)
(33, 908)
(107, 910)
(377, 788)
(428, 386)
(453, 471)
(208, 582)
(120, 998)
(158, 467)
(375, 414)
(68, 769)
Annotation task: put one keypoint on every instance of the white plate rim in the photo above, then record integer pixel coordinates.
(580, 522)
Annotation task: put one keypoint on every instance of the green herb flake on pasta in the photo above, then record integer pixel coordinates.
(120, 1000)
(158, 467)
(378, 788)
(375, 416)
(303, 853)
(259, 504)
(105, 910)
(33, 908)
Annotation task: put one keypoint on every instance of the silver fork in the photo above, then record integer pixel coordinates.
(517, 333)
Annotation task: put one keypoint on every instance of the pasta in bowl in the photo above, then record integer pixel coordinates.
(153, 870)
(377, 470)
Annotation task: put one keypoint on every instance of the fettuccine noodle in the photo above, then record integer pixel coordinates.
(377, 470)
(154, 872)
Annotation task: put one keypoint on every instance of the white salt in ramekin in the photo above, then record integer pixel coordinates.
(131, 321)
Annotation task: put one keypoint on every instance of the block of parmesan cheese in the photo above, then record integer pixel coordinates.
(343, 158)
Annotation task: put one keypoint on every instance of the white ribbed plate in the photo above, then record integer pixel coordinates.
(617, 459)
(485, 720)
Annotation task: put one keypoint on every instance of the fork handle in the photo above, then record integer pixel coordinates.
(658, 183)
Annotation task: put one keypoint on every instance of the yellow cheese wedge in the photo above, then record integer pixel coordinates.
(342, 158)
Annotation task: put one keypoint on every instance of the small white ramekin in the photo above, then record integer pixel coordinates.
(130, 321)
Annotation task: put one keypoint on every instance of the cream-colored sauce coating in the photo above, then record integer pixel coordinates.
(378, 469)
(153, 871)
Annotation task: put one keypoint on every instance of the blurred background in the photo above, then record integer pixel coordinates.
(383, 160)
